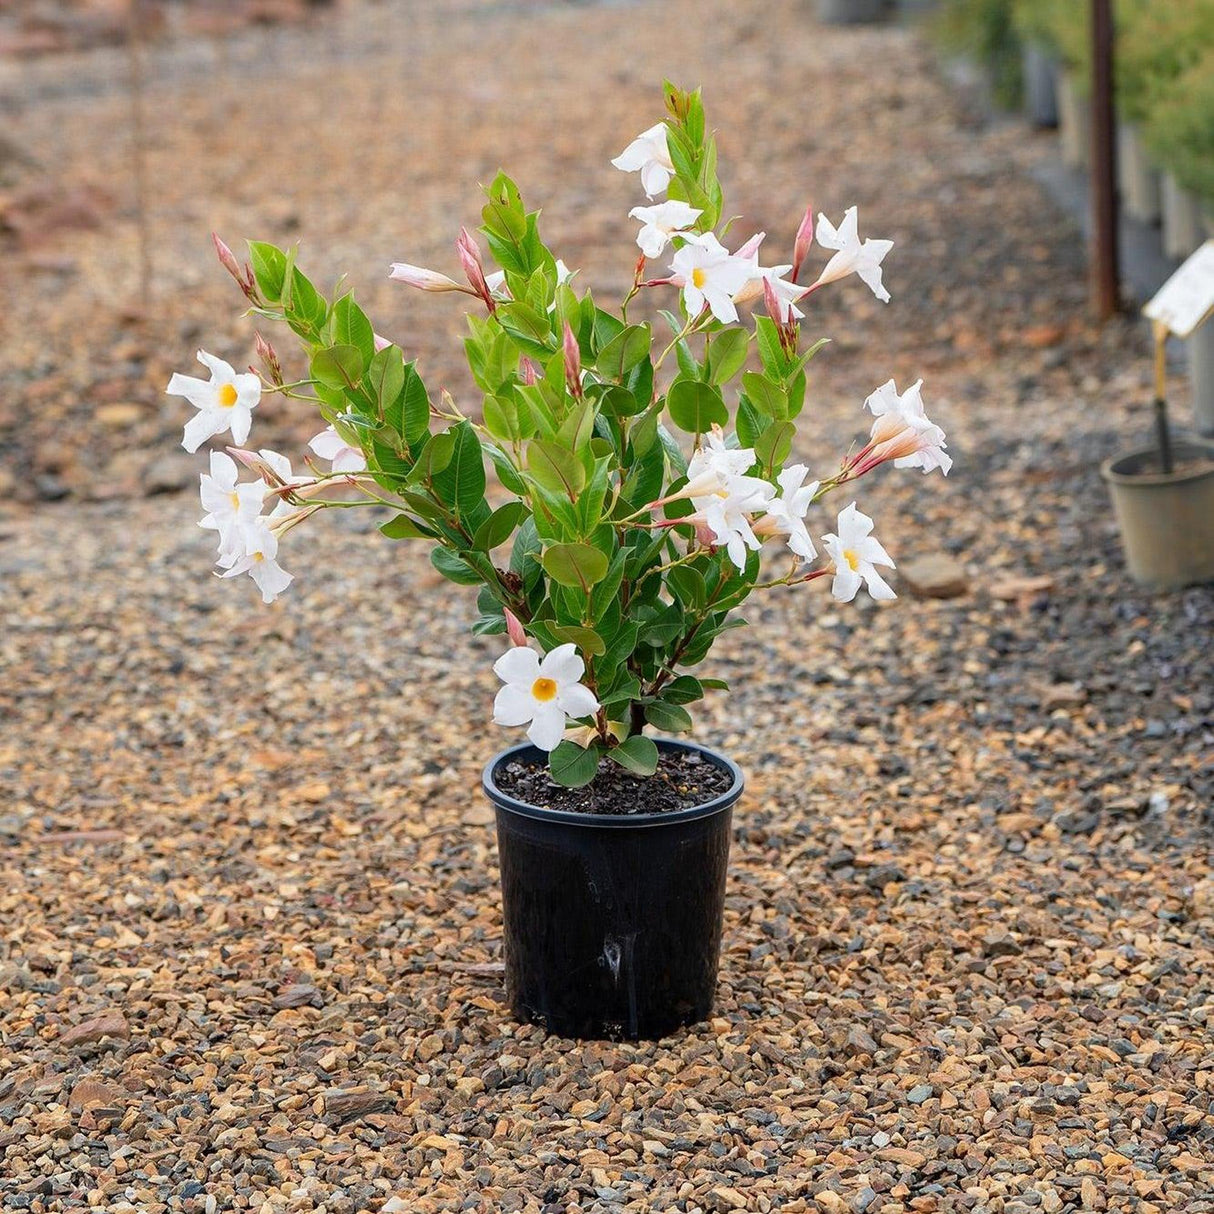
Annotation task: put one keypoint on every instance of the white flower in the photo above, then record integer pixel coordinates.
(649, 154)
(852, 256)
(710, 274)
(786, 513)
(260, 548)
(281, 467)
(659, 223)
(727, 515)
(714, 465)
(425, 280)
(785, 293)
(330, 445)
(542, 693)
(230, 507)
(225, 401)
(855, 552)
(903, 432)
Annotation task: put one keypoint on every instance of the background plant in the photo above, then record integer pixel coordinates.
(610, 548)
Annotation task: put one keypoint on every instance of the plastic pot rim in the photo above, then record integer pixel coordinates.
(722, 801)
(1114, 472)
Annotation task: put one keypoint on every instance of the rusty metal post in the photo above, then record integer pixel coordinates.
(1105, 259)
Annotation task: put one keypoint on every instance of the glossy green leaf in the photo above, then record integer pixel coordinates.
(576, 565)
(555, 468)
(696, 407)
(572, 766)
(637, 754)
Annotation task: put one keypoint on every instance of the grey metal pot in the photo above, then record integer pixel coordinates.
(1166, 519)
(1137, 177)
(1200, 347)
(1183, 226)
(1040, 70)
(1074, 121)
(850, 12)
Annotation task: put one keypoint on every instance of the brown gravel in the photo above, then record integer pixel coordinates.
(251, 945)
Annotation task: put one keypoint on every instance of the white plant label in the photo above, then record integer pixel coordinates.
(1187, 298)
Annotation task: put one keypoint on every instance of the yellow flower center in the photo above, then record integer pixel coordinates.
(698, 277)
(227, 396)
(849, 555)
(258, 557)
(544, 690)
(234, 498)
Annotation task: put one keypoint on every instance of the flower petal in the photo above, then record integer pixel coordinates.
(547, 727)
(513, 706)
(577, 701)
(520, 666)
(563, 664)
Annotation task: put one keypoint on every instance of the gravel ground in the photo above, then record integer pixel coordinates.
(251, 951)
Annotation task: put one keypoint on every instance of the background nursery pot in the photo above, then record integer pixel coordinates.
(1166, 519)
(612, 923)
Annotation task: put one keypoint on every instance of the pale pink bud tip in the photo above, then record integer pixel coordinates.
(227, 258)
(514, 628)
(804, 241)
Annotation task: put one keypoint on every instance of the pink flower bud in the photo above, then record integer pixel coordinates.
(514, 628)
(751, 247)
(425, 280)
(805, 239)
(529, 373)
(573, 362)
(255, 463)
(227, 259)
(772, 302)
(269, 356)
(470, 258)
(381, 343)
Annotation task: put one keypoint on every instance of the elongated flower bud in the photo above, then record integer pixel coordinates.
(573, 362)
(470, 258)
(514, 628)
(804, 241)
(528, 372)
(242, 274)
(269, 356)
(425, 280)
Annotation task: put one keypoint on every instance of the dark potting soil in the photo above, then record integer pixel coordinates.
(683, 779)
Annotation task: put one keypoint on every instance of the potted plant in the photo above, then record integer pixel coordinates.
(638, 478)
(1163, 497)
(850, 12)
(1031, 20)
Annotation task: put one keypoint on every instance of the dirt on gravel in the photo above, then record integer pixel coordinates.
(251, 945)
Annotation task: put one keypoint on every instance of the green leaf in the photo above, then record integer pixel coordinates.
(453, 568)
(576, 565)
(402, 527)
(683, 690)
(767, 397)
(572, 766)
(503, 214)
(774, 444)
(727, 352)
(415, 406)
(688, 586)
(502, 418)
(637, 754)
(555, 468)
(385, 378)
(352, 328)
(269, 268)
(586, 639)
(462, 482)
(339, 367)
(695, 406)
(499, 526)
(434, 457)
(529, 327)
(624, 351)
(672, 718)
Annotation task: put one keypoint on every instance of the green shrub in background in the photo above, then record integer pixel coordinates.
(1156, 44)
(1179, 127)
(983, 30)
(1033, 21)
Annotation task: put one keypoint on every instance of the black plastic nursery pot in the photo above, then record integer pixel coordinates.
(612, 922)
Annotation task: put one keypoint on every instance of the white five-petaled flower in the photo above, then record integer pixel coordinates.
(903, 432)
(231, 507)
(258, 560)
(851, 256)
(728, 515)
(649, 154)
(855, 552)
(714, 465)
(785, 293)
(710, 275)
(224, 402)
(662, 222)
(542, 693)
(330, 445)
(786, 514)
(280, 465)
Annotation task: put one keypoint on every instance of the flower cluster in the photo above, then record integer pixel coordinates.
(611, 560)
